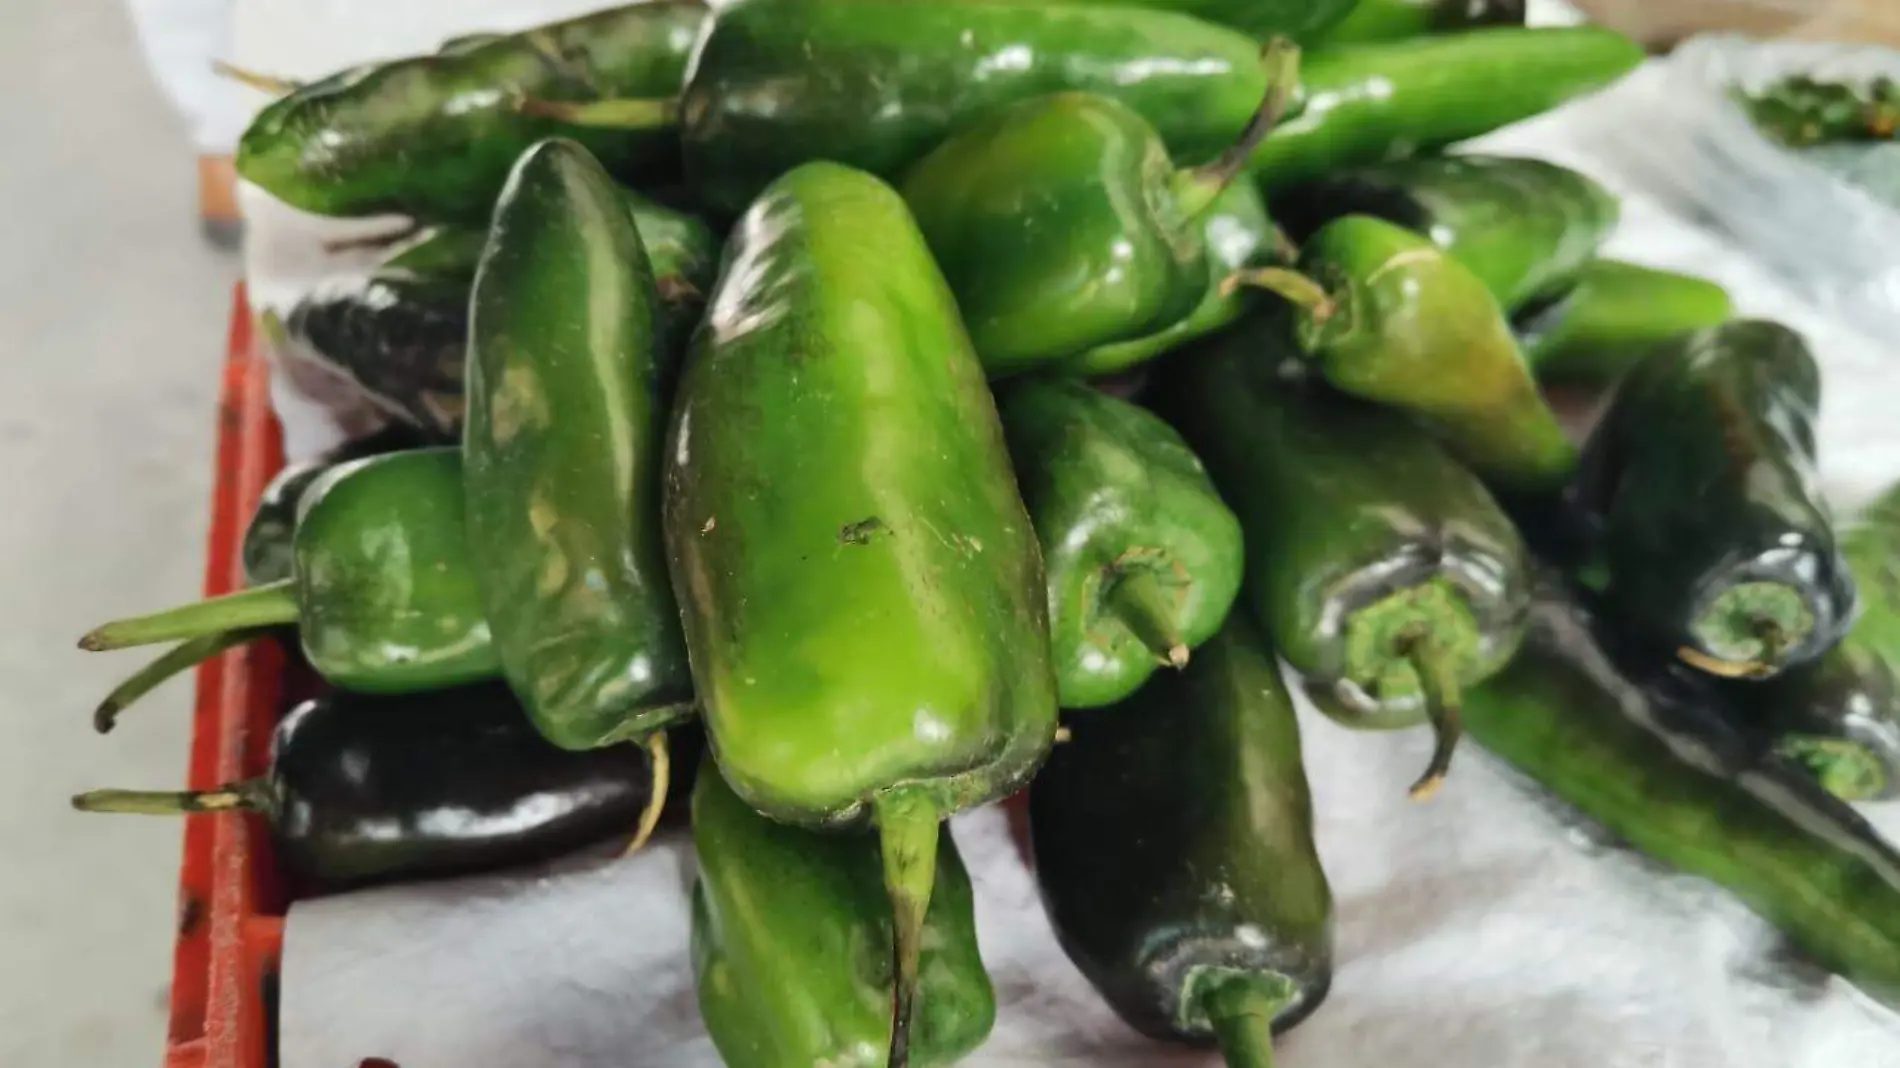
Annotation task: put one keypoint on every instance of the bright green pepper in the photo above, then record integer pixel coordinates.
(561, 462)
(384, 595)
(1390, 317)
(792, 945)
(1298, 20)
(1143, 559)
(1394, 20)
(1618, 314)
(861, 587)
(1525, 227)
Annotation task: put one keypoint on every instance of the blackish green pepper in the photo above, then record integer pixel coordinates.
(792, 945)
(1062, 225)
(1390, 317)
(561, 467)
(1618, 314)
(1385, 572)
(1523, 226)
(861, 587)
(1396, 20)
(1173, 837)
(434, 136)
(1143, 559)
(1709, 535)
(401, 332)
(384, 595)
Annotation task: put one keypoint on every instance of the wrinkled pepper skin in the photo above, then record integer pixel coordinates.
(1387, 575)
(1376, 102)
(1403, 324)
(434, 136)
(1525, 227)
(1142, 557)
(400, 333)
(875, 84)
(1173, 839)
(792, 945)
(861, 586)
(1616, 316)
(561, 464)
(1691, 796)
(1709, 535)
(1237, 232)
(384, 596)
(1396, 20)
(366, 790)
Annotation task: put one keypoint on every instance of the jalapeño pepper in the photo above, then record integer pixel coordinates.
(1173, 836)
(1142, 558)
(1390, 317)
(792, 944)
(1393, 20)
(1618, 314)
(268, 551)
(1385, 572)
(561, 466)
(1061, 224)
(861, 587)
(1839, 717)
(434, 136)
(1525, 227)
(1709, 536)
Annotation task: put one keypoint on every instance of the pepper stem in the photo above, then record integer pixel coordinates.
(1241, 1010)
(263, 606)
(251, 795)
(908, 825)
(662, 778)
(174, 661)
(266, 83)
(1290, 285)
(1196, 188)
(1438, 678)
(1137, 600)
(1843, 767)
(1749, 629)
(614, 114)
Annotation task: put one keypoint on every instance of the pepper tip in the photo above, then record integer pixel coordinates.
(1178, 655)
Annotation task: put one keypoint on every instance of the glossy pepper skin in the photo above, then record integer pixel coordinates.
(400, 333)
(561, 464)
(267, 549)
(875, 84)
(1393, 100)
(434, 136)
(792, 945)
(1173, 838)
(861, 587)
(1387, 575)
(1708, 535)
(1670, 782)
(1396, 20)
(389, 789)
(1298, 20)
(1390, 317)
(384, 595)
(1616, 316)
(1142, 557)
(1061, 223)
(1525, 227)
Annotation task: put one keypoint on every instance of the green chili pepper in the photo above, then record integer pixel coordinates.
(1390, 317)
(861, 587)
(1394, 20)
(1143, 559)
(792, 945)
(1173, 839)
(1061, 224)
(1525, 227)
(1871, 545)
(561, 457)
(1709, 535)
(1618, 314)
(1839, 717)
(1299, 20)
(434, 136)
(1675, 786)
(1385, 572)
(401, 332)
(1388, 101)
(384, 595)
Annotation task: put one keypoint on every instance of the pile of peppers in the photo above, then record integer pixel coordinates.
(846, 413)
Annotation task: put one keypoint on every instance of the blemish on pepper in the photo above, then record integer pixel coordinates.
(862, 531)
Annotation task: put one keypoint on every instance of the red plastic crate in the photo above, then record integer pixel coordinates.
(230, 899)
